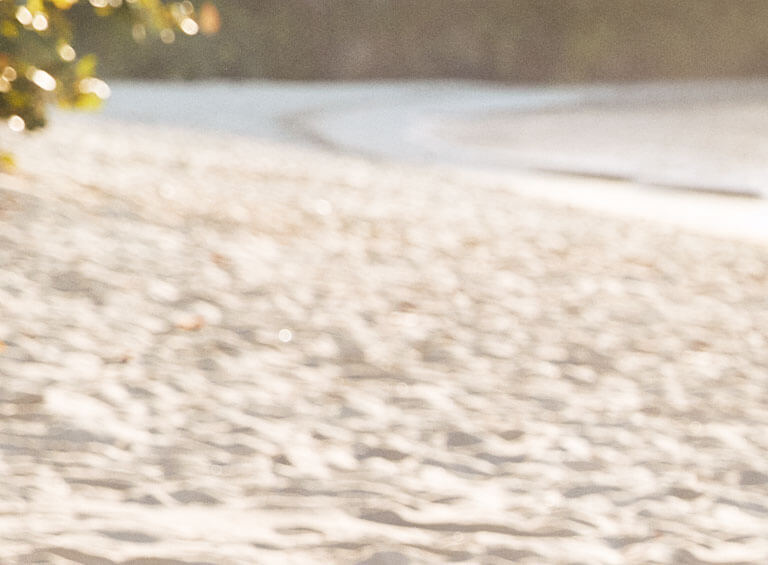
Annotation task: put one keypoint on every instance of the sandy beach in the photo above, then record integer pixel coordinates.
(708, 144)
(218, 350)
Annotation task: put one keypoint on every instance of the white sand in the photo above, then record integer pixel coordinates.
(712, 145)
(221, 351)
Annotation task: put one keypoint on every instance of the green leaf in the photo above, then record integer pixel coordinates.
(86, 66)
(88, 101)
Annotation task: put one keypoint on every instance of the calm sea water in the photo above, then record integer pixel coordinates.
(394, 120)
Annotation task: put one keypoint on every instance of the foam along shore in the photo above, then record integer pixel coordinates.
(217, 350)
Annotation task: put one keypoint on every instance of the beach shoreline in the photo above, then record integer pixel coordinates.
(705, 136)
(707, 146)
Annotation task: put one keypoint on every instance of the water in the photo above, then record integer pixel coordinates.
(408, 121)
(380, 119)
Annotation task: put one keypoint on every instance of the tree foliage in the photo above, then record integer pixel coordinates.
(39, 65)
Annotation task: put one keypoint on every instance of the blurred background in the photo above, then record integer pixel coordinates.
(656, 92)
(520, 41)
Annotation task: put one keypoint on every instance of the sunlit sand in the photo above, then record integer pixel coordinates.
(217, 350)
